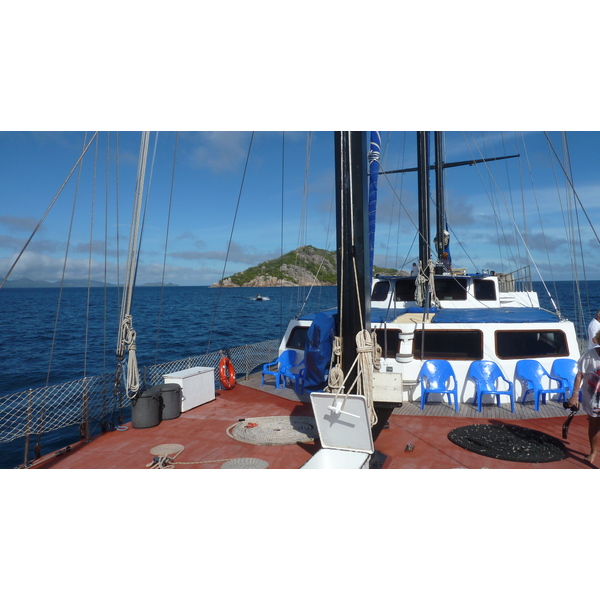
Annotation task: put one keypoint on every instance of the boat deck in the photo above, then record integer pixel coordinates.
(202, 432)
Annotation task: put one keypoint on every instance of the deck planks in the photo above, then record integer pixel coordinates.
(436, 409)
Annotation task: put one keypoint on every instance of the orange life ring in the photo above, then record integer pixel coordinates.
(227, 373)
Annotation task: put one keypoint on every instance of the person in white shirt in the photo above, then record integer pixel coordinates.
(593, 329)
(415, 271)
(588, 381)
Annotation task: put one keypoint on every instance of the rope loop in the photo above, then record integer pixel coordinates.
(128, 337)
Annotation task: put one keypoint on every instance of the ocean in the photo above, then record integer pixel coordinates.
(171, 324)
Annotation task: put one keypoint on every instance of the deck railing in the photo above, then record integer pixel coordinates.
(31, 413)
(517, 281)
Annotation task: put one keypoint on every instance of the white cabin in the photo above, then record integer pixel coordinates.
(479, 317)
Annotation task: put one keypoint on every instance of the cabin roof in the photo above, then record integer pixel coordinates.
(515, 314)
(463, 315)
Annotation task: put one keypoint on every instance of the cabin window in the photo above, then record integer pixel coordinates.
(450, 288)
(297, 339)
(448, 345)
(405, 290)
(484, 289)
(531, 344)
(380, 290)
(389, 342)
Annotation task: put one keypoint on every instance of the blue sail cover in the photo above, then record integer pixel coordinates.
(374, 154)
(317, 351)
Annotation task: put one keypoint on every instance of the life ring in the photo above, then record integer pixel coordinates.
(227, 373)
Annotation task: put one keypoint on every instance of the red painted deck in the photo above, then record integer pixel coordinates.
(202, 432)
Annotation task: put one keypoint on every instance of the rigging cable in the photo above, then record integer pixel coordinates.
(573, 188)
(569, 179)
(537, 206)
(84, 425)
(573, 229)
(90, 253)
(47, 211)
(576, 239)
(237, 208)
(117, 388)
(281, 330)
(493, 185)
(105, 316)
(551, 298)
(60, 291)
(162, 283)
(304, 212)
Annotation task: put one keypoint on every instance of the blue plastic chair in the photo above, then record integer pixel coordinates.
(532, 374)
(298, 377)
(435, 377)
(565, 369)
(284, 363)
(485, 374)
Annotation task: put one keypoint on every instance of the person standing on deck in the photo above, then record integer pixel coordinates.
(448, 266)
(415, 271)
(593, 329)
(588, 379)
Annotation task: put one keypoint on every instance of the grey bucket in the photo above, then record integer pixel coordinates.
(145, 410)
(171, 400)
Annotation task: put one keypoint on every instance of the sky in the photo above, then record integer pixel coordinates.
(234, 199)
(295, 75)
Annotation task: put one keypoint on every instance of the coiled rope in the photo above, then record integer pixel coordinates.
(274, 431)
(162, 460)
(368, 358)
(422, 281)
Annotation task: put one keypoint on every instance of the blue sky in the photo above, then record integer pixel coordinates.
(276, 215)
(178, 69)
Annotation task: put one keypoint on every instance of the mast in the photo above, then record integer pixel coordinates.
(423, 187)
(354, 298)
(439, 195)
(374, 155)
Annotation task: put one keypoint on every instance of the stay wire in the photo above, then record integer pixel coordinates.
(570, 182)
(162, 284)
(281, 233)
(64, 269)
(47, 210)
(60, 292)
(90, 254)
(237, 207)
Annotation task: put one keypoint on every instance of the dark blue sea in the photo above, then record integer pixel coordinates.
(171, 324)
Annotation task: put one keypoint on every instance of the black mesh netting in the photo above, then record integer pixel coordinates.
(509, 442)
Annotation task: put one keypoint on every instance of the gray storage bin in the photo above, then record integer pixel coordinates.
(145, 410)
(171, 400)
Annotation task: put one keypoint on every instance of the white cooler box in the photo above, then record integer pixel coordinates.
(197, 386)
(344, 430)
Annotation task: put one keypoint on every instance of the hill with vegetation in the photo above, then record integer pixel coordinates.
(305, 266)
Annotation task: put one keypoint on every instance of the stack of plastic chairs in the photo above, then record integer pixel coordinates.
(285, 363)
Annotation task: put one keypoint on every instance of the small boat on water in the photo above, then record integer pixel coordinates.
(440, 314)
